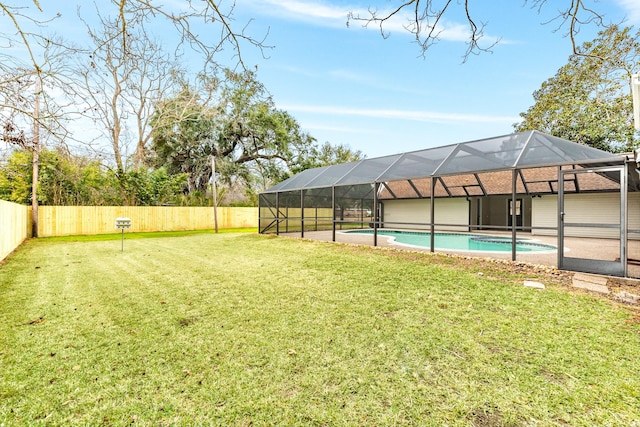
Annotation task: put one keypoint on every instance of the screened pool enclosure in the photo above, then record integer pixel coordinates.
(529, 183)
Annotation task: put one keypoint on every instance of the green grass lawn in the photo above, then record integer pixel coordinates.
(242, 329)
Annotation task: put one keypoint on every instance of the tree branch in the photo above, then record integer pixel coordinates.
(425, 22)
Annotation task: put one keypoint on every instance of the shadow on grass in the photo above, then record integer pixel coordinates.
(146, 235)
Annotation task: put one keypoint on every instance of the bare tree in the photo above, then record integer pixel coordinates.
(192, 12)
(138, 71)
(34, 96)
(124, 77)
(39, 58)
(22, 30)
(104, 78)
(19, 23)
(424, 20)
(150, 82)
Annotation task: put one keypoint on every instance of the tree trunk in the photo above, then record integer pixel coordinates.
(215, 191)
(35, 160)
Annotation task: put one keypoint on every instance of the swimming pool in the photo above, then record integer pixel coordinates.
(460, 241)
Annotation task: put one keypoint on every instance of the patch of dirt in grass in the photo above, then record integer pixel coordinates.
(635, 319)
(619, 284)
(186, 321)
(488, 417)
(554, 377)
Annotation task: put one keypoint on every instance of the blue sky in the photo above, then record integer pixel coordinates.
(348, 85)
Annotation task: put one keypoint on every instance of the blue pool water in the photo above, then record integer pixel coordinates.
(460, 241)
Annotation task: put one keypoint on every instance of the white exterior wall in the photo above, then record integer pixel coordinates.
(544, 213)
(600, 208)
(453, 211)
(416, 210)
(633, 209)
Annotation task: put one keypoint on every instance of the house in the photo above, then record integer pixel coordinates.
(523, 182)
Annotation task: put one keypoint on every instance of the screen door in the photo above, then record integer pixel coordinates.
(595, 222)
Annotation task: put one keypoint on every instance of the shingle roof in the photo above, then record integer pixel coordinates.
(530, 181)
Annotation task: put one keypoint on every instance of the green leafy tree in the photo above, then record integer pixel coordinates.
(235, 123)
(262, 141)
(326, 154)
(589, 99)
(67, 180)
(15, 178)
(153, 187)
(63, 179)
(184, 131)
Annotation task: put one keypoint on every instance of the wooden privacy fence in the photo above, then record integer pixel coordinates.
(15, 220)
(85, 220)
(15, 226)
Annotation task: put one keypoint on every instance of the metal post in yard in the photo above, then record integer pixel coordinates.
(121, 224)
(514, 177)
(376, 215)
(301, 213)
(333, 214)
(215, 192)
(432, 210)
(635, 94)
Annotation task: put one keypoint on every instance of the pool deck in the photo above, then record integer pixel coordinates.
(575, 247)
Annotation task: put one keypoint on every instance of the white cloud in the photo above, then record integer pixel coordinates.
(345, 75)
(420, 116)
(355, 77)
(334, 15)
(305, 11)
(340, 129)
(632, 8)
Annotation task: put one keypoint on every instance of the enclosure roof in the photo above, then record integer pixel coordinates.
(520, 150)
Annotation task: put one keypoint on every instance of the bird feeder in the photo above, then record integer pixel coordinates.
(123, 223)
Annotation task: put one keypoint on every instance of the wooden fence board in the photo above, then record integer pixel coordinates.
(15, 226)
(87, 220)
